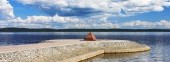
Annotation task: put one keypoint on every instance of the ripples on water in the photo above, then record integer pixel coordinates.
(160, 50)
(160, 45)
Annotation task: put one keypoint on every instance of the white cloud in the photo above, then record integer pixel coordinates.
(100, 21)
(64, 23)
(139, 23)
(91, 23)
(39, 22)
(113, 7)
(166, 4)
(58, 22)
(140, 6)
(97, 4)
(140, 2)
(108, 8)
(144, 24)
(45, 19)
(164, 23)
(6, 10)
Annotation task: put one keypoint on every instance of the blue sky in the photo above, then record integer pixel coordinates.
(59, 14)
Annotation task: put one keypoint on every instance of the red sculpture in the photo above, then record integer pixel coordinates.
(90, 37)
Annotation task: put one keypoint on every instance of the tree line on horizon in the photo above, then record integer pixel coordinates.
(80, 30)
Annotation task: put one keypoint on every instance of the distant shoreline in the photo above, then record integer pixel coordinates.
(80, 30)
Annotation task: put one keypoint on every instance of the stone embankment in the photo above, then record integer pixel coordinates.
(71, 50)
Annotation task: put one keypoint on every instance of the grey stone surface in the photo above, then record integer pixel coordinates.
(58, 53)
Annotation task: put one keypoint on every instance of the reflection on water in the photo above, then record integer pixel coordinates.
(123, 57)
(160, 50)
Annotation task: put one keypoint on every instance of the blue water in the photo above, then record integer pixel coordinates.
(21, 38)
(160, 45)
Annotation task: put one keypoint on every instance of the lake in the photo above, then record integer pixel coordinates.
(159, 42)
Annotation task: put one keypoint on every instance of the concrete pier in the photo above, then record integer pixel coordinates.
(72, 50)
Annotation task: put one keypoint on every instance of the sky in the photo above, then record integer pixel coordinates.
(93, 14)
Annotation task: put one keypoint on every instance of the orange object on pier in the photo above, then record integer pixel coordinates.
(90, 37)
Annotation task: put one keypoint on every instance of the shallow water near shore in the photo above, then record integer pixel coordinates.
(160, 44)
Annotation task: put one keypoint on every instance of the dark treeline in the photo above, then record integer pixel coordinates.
(81, 30)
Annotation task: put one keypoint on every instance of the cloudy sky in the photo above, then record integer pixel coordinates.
(64, 14)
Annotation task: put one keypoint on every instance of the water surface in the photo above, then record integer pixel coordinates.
(160, 44)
